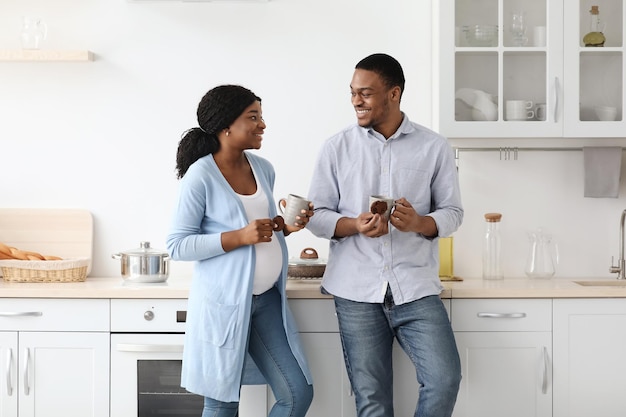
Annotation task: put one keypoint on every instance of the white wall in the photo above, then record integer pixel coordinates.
(103, 135)
(538, 190)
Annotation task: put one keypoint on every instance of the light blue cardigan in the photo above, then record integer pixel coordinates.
(218, 311)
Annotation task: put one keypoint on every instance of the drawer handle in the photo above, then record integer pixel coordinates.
(502, 315)
(21, 313)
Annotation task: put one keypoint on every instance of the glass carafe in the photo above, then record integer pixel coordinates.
(543, 255)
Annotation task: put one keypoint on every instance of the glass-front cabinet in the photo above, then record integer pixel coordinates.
(530, 68)
(594, 73)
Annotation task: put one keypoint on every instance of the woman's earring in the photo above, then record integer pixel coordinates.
(227, 132)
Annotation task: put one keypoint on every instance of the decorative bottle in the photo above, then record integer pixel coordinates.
(492, 247)
(595, 37)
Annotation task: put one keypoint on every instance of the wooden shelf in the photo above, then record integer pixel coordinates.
(45, 55)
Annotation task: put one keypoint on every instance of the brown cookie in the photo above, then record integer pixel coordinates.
(279, 223)
(378, 207)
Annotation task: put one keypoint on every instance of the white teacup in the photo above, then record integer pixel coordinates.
(606, 113)
(291, 207)
(519, 110)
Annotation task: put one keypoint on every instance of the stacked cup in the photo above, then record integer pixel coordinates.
(519, 110)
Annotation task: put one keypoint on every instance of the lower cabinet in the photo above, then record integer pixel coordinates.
(589, 357)
(332, 394)
(54, 358)
(506, 357)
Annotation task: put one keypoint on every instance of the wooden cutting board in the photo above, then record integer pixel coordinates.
(67, 233)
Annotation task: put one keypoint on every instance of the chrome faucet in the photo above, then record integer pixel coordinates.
(620, 269)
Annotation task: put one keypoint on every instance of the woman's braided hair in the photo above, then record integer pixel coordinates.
(217, 110)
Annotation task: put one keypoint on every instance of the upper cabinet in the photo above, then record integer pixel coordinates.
(594, 76)
(521, 69)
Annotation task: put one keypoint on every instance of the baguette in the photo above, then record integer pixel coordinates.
(9, 252)
(19, 254)
(5, 250)
(34, 256)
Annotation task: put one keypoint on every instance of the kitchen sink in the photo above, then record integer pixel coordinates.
(607, 283)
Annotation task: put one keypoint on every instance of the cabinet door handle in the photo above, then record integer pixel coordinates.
(26, 371)
(21, 313)
(502, 315)
(9, 368)
(557, 91)
(131, 347)
(544, 382)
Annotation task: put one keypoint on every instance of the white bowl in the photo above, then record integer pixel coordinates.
(606, 113)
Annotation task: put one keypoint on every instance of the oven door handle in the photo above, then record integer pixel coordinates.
(135, 347)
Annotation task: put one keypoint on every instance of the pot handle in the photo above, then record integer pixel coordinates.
(116, 256)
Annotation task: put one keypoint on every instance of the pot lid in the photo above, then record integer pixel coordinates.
(144, 249)
(308, 256)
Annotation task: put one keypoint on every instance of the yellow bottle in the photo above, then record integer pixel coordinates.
(446, 260)
(595, 37)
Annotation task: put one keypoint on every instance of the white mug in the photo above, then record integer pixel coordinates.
(291, 207)
(388, 204)
(519, 110)
(540, 111)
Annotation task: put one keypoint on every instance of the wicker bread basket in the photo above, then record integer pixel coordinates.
(66, 270)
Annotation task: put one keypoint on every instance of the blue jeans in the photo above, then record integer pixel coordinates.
(423, 330)
(268, 346)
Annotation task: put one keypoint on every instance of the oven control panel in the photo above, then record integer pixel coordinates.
(148, 315)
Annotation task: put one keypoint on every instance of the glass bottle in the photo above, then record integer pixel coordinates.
(492, 247)
(595, 37)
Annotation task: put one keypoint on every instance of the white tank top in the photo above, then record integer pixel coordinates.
(269, 259)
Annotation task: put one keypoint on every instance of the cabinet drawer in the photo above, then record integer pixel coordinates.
(501, 315)
(314, 315)
(44, 314)
(148, 315)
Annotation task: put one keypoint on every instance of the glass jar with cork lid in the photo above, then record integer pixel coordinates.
(492, 248)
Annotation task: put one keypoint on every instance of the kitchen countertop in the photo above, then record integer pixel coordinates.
(176, 287)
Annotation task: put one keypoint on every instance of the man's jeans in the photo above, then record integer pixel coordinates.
(423, 330)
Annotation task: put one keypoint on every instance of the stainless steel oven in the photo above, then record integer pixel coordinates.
(146, 356)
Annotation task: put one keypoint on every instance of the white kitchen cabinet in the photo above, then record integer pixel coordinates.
(505, 347)
(319, 331)
(589, 358)
(564, 75)
(594, 76)
(54, 358)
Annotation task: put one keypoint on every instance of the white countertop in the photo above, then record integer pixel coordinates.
(115, 287)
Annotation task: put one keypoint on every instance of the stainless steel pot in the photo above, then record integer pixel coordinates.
(144, 264)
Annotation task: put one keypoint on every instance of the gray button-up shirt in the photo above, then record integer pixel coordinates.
(415, 163)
